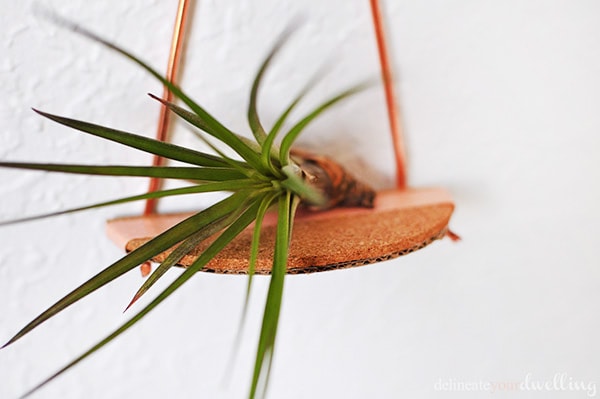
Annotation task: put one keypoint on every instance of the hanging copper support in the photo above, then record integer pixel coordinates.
(390, 97)
(171, 76)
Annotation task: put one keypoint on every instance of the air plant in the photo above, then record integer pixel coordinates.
(266, 173)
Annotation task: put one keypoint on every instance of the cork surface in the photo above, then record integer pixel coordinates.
(339, 239)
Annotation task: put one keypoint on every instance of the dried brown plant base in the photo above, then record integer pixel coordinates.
(401, 222)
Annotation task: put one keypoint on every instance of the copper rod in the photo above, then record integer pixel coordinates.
(171, 76)
(390, 97)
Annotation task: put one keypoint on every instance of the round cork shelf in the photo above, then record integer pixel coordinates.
(401, 222)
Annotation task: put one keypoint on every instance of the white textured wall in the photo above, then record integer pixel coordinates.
(501, 101)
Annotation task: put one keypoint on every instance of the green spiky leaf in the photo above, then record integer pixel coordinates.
(225, 238)
(253, 118)
(265, 175)
(146, 144)
(198, 122)
(216, 128)
(254, 247)
(268, 332)
(268, 146)
(292, 135)
(165, 172)
(158, 244)
(230, 185)
(219, 220)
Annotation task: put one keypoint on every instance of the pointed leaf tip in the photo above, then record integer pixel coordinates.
(42, 113)
(11, 341)
(134, 300)
(156, 97)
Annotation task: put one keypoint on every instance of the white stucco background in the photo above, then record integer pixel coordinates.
(501, 103)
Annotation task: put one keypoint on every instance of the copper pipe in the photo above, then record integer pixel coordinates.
(171, 76)
(390, 97)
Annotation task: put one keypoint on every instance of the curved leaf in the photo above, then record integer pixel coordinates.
(233, 212)
(168, 172)
(158, 244)
(292, 135)
(230, 185)
(198, 122)
(295, 184)
(216, 128)
(267, 146)
(146, 144)
(220, 243)
(268, 330)
(254, 246)
(253, 119)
